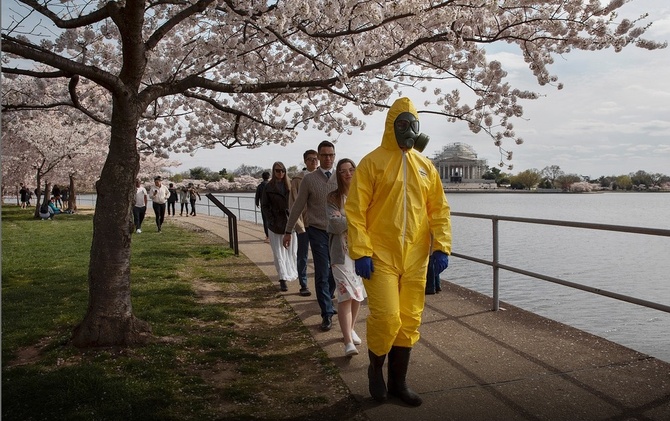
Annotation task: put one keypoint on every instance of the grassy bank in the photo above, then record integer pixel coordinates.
(225, 346)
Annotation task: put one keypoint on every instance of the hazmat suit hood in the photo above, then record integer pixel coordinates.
(401, 105)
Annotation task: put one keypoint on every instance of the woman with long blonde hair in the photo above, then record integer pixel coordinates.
(275, 208)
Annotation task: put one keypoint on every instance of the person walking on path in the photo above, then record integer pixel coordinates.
(159, 196)
(314, 188)
(395, 204)
(172, 200)
(350, 290)
(275, 207)
(140, 207)
(258, 198)
(183, 200)
(311, 160)
(192, 194)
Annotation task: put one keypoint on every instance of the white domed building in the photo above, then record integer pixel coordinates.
(458, 163)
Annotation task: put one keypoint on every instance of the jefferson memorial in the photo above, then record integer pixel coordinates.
(458, 163)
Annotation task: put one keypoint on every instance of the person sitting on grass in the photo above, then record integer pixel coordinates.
(46, 212)
(52, 210)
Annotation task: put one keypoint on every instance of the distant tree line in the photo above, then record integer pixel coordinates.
(206, 174)
(552, 177)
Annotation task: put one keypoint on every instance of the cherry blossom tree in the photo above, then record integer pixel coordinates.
(54, 146)
(152, 165)
(180, 76)
(16, 154)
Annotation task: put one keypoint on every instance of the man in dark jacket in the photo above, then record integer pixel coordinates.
(259, 196)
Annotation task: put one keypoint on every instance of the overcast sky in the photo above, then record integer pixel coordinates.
(612, 117)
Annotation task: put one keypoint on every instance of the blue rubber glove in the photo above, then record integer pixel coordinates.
(439, 260)
(364, 267)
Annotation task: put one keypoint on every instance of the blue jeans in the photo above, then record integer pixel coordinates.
(303, 249)
(324, 283)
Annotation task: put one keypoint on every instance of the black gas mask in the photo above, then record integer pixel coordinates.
(406, 129)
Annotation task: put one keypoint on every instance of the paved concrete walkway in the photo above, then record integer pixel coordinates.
(475, 364)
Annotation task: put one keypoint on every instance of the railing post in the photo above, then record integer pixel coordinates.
(496, 268)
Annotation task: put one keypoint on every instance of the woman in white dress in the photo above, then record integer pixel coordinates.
(275, 208)
(350, 289)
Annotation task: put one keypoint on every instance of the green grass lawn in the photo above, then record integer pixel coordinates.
(225, 344)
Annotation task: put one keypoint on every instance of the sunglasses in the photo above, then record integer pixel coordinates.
(279, 170)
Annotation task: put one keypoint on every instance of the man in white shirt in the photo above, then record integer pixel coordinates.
(159, 196)
(140, 208)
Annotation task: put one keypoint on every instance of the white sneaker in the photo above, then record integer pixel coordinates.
(355, 338)
(139, 231)
(350, 350)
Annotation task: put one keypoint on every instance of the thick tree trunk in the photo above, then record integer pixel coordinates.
(109, 319)
(72, 196)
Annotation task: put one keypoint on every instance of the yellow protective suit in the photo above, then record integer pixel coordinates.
(395, 202)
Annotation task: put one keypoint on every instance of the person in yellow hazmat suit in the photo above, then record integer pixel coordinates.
(397, 213)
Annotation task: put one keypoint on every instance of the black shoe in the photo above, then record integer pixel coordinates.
(282, 285)
(430, 292)
(327, 323)
(305, 292)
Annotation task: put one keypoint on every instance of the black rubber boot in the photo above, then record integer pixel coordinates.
(376, 383)
(398, 362)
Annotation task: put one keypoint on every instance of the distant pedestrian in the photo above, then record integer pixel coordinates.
(258, 198)
(193, 193)
(184, 200)
(275, 207)
(140, 206)
(159, 195)
(24, 193)
(55, 192)
(172, 199)
(65, 196)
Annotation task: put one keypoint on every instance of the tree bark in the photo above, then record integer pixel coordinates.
(109, 320)
(38, 195)
(72, 196)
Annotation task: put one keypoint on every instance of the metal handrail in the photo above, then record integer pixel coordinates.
(232, 223)
(496, 265)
